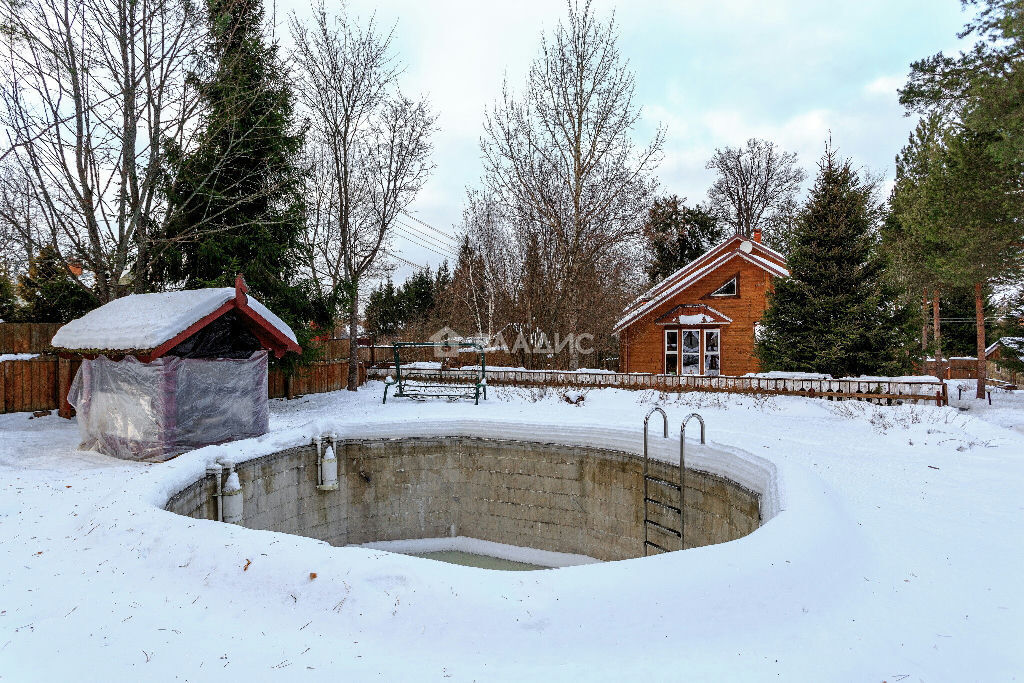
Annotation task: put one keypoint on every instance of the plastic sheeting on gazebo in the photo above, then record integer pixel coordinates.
(155, 411)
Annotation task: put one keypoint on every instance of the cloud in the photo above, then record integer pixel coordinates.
(885, 86)
(715, 73)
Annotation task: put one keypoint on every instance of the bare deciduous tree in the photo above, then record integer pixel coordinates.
(92, 91)
(370, 150)
(94, 96)
(561, 164)
(756, 188)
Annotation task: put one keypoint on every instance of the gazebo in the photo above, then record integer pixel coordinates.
(168, 372)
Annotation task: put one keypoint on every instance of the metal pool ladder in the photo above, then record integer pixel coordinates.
(679, 488)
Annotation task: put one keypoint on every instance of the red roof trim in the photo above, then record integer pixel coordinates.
(283, 343)
(190, 330)
(267, 333)
(643, 307)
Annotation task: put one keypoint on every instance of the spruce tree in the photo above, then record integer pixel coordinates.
(418, 295)
(836, 313)
(242, 182)
(383, 310)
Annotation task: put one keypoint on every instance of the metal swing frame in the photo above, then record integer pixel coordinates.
(408, 387)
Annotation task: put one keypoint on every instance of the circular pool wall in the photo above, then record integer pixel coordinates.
(569, 499)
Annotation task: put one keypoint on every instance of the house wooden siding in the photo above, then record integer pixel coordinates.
(642, 341)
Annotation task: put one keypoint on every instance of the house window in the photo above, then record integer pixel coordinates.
(690, 356)
(712, 352)
(730, 288)
(671, 352)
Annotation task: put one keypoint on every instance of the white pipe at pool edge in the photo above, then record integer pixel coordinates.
(232, 496)
(216, 470)
(329, 470)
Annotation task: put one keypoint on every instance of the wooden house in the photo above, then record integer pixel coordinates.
(701, 320)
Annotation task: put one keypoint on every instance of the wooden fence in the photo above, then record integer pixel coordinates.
(317, 378)
(955, 368)
(42, 383)
(881, 391)
(35, 384)
(27, 337)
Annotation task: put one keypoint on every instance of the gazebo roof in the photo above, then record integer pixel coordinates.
(150, 325)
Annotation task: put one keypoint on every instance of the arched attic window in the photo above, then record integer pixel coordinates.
(730, 288)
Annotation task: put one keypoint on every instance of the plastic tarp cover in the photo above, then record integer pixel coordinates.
(155, 411)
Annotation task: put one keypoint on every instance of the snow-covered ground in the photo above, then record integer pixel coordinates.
(896, 554)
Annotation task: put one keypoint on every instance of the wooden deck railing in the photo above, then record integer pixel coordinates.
(879, 391)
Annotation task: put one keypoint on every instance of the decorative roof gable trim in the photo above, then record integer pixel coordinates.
(667, 318)
(710, 254)
(692, 277)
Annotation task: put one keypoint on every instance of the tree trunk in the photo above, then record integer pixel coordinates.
(924, 322)
(353, 344)
(937, 335)
(979, 321)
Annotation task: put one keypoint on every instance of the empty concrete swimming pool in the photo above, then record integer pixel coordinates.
(578, 500)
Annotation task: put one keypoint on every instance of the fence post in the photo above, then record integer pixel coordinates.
(63, 386)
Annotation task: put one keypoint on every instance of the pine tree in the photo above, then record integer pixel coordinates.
(908, 237)
(242, 181)
(836, 313)
(959, 218)
(677, 234)
(975, 205)
(981, 87)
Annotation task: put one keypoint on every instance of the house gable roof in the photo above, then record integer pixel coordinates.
(153, 324)
(761, 256)
(1015, 344)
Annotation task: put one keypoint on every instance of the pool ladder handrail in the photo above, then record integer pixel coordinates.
(680, 487)
(682, 464)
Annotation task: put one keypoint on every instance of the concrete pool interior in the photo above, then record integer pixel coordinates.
(476, 560)
(576, 503)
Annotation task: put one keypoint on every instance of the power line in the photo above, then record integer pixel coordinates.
(404, 260)
(412, 238)
(420, 244)
(427, 225)
(430, 238)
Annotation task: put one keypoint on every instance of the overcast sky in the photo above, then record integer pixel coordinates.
(714, 72)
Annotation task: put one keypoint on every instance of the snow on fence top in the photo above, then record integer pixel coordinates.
(145, 321)
(912, 388)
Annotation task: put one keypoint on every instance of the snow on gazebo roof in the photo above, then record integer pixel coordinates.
(158, 322)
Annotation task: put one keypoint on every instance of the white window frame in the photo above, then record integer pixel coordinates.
(699, 354)
(665, 353)
(734, 280)
(706, 353)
